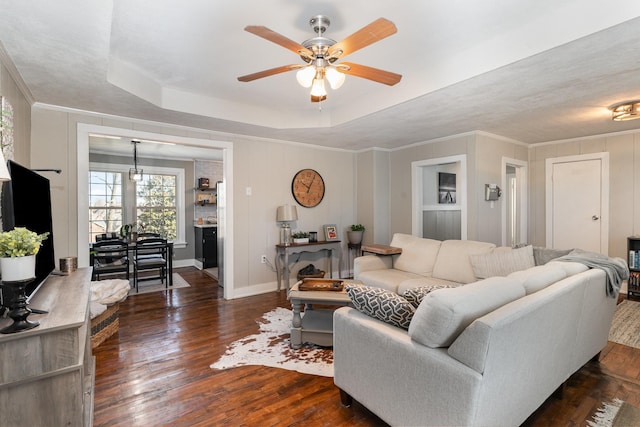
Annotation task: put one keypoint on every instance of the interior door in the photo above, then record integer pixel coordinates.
(577, 203)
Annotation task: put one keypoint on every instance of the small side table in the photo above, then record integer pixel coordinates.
(384, 250)
(357, 251)
(381, 249)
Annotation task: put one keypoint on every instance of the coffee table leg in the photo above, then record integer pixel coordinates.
(296, 330)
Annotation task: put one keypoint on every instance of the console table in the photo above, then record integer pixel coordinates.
(283, 252)
(47, 372)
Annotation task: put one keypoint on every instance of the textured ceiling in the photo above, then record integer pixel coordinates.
(532, 70)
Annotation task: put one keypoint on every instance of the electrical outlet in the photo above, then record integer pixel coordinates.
(263, 259)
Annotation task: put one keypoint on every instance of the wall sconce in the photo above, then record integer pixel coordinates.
(492, 192)
(285, 215)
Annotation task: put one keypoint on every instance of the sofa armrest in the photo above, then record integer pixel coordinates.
(399, 380)
(370, 263)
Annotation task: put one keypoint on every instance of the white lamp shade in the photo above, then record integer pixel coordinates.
(305, 76)
(4, 171)
(286, 213)
(317, 89)
(335, 77)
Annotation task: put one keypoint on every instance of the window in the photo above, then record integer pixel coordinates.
(105, 203)
(156, 203)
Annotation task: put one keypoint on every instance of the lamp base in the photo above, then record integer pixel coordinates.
(19, 309)
(285, 234)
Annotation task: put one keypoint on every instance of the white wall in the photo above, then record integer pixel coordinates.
(624, 178)
(484, 153)
(267, 167)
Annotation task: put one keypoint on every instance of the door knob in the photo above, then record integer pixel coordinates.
(595, 217)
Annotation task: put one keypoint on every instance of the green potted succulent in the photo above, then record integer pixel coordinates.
(18, 249)
(300, 237)
(354, 234)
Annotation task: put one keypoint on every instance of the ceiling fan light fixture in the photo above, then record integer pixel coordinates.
(628, 110)
(318, 89)
(305, 76)
(335, 77)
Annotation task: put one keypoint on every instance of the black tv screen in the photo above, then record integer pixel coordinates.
(26, 202)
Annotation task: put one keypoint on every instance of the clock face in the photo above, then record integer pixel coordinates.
(308, 188)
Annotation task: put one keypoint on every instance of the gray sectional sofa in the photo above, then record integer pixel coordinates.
(483, 352)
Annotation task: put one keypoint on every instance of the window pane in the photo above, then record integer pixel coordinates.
(105, 203)
(156, 205)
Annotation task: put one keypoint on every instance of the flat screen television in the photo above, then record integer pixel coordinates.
(26, 202)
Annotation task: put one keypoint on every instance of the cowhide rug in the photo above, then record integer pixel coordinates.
(270, 347)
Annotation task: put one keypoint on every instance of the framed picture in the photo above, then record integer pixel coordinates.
(446, 188)
(330, 232)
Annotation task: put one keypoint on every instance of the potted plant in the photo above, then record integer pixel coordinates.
(300, 237)
(129, 232)
(355, 234)
(18, 249)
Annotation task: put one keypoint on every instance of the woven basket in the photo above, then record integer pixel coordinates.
(105, 325)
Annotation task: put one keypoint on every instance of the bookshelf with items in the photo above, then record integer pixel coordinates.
(633, 284)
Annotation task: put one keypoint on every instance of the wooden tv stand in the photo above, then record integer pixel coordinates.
(47, 373)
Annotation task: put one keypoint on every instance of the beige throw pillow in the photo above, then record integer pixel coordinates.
(502, 262)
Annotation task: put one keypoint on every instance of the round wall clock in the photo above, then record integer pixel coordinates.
(308, 188)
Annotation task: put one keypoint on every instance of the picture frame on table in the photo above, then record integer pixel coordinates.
(330, 232)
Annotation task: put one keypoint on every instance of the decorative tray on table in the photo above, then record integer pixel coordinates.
(312, 284)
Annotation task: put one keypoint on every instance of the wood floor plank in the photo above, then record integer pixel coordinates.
(155, 370)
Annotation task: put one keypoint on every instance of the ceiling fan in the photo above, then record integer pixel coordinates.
(321, 54)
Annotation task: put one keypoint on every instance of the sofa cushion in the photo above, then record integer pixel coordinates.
(444, 314)
(453, 260)
(502, 261)
(544, 255)
(416, 295)
(381, 304)
(418, 254)
(539, 277)
(386, 279)
(569, 267)
(424, 281)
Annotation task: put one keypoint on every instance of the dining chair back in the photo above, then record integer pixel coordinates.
(151, 254)
(107, 236)
(110, 257)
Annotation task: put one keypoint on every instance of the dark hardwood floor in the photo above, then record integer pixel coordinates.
(155, 370)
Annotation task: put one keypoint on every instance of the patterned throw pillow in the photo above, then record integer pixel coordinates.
(416, 295)
(381, 304)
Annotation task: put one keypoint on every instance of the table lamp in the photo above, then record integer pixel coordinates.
(285, 215)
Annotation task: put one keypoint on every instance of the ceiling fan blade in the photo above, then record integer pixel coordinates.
(370, 73)
(269, 72)
(279, 39)
(376, 31)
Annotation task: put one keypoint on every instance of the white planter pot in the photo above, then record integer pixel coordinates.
(305, 240)
(18, 268)
(355, 237)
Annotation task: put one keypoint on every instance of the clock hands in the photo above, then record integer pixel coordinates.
(311, 183)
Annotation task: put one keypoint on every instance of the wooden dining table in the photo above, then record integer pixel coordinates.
(131, 245)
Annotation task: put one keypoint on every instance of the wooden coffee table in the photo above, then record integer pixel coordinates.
(316, 326)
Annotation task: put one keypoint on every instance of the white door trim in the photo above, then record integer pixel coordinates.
(417, 191)
(523, 176)
(604, 203)
(225, 222)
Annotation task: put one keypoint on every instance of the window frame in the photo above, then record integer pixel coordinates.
(179, 173)
(121, 206)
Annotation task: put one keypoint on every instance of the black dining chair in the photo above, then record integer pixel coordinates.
(151, 254)
(107, 236)
(148, 235)
(110, 257)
